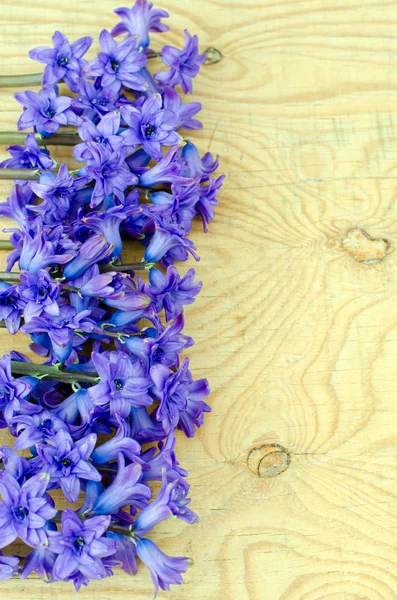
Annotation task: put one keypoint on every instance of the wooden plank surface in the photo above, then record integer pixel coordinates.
(297, 336)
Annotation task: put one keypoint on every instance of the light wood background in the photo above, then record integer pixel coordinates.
(297, 336)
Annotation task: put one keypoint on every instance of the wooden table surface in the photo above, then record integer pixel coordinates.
(296, 334)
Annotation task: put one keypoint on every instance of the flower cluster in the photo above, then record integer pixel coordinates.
(99, 415)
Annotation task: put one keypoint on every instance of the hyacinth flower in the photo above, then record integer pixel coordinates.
(118, 63)
(93, 284)
(45, 111)
(139, 20)
(64, 61)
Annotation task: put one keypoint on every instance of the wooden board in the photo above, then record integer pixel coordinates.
(297, 336)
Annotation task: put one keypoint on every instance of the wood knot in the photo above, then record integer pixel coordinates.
(364, 248)
(212, 56)
(269, 460)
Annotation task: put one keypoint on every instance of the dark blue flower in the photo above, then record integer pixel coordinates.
(184, 112)
(63, 61)
(95, 99)
(118, 63)
(164, 570)
(80, 546)
(171, 501)
(105, 133)
(184, 64)
(172, 292)
(39, 251)
(60, 329)
(57, 192)
(29, 156)
(139, 20)
(67, 462)
(45, 111)
(25, 510)
(36, 429)
(109, 171)
(40, 293)
(150, 125)
(94, 250)
(123, 383)
(181, 399)
(124, 490)
(11, 306)
(8, 566)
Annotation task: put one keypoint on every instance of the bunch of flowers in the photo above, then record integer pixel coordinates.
(99, 414)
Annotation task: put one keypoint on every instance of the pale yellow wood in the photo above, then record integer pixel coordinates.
(297, 337)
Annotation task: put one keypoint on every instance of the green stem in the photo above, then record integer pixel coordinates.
(20, 80)
(6, 245)
(53, 373)
(58, 139)
(124, 268)
(25, 174)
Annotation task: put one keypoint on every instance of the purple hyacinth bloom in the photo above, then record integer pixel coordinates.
(15, 205)
(171, 501)
(40, 561)
(40, 251)
(16, 465)
(109, 171)
(12, 391)
(126, 552)
(143, 427)
(164, 570)
(29, 156)
(165, 348)
(94, 250)
(184, 112)
(172, 292)
(60, 329)
(96, 99)
(25, 510)
(169, 245)
(45, 111)
(67, 462)
(105, 133)
(124, 490)
(184, 64)
(57, 192)
(63, 61)
(164, 460)
(121, 442)
(80, 546)
(139, 20)
(36, 429)
(78, 406)
(165, 171)
(104, 285)
(181, 399)
(118, 63)
(8, 566)
(208, 194)
(193, 165)
(40, 293)
(11, 306)
(151, 126)
(123, 383)
(108, 224)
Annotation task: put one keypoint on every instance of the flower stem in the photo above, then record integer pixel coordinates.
(58, 139)
(25, 174)
(53, 373)
(141, 266)
(6, 245)
(20, 79)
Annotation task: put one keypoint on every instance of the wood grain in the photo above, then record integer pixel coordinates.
(297, 336)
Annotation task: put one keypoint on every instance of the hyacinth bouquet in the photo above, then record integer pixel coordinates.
(95, 415)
